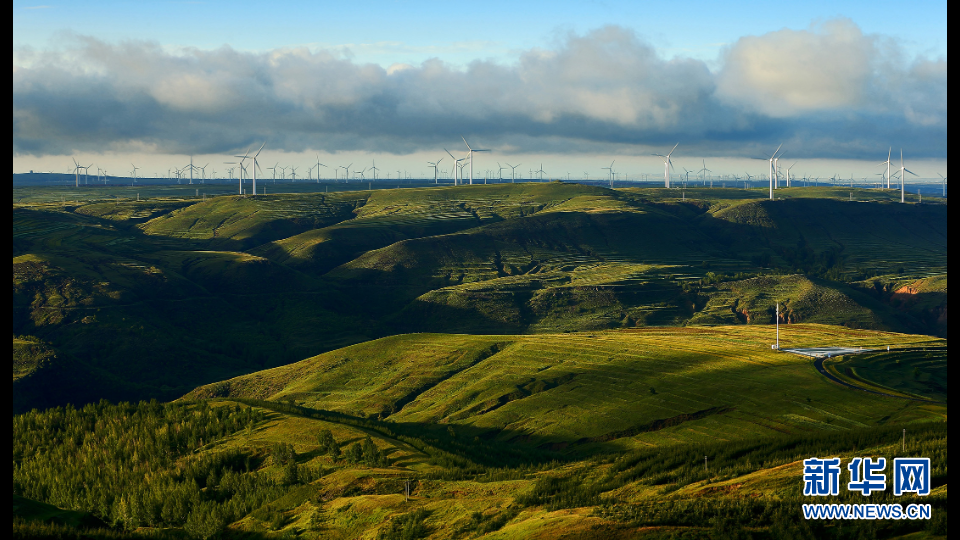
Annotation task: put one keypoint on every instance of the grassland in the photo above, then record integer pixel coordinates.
(150, 298)
(914, 372)
(645, 387)
(468, 480)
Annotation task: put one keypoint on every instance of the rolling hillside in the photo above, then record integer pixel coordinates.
(599, 435)
(657, 386)
(151, 298)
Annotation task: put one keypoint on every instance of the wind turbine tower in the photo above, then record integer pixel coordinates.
(788, 173)
(346, 176)
(903, 176)
(458, 171)
(704, 172)
(76, 170)
(256, 165)
(887, 163)
(239, 172)
(771, 169)
(318, 168)
(436, 174)
(610, 171)
(513, 172)
(470, 155)
(667, 165)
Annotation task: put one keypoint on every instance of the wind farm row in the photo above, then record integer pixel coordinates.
(244, 170)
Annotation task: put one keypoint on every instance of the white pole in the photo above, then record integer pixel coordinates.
(778, 326)
(771, 179)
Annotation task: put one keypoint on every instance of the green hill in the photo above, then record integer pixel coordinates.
(601, 435)
(697, 384)
(151, 298)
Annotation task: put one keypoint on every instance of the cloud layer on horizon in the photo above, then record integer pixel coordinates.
(829, 92)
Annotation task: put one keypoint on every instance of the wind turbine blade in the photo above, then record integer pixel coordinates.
(449, 154)
(674, 148)
(778, 149)
(911, 172)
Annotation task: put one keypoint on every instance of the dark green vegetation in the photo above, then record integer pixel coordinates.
(212, 469)
(131, 300)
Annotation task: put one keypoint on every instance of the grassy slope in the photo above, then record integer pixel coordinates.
(539, 388)
(915, 371)
(359, 501)
(198, 291)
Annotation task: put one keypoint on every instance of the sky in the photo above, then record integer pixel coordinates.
(569, 85)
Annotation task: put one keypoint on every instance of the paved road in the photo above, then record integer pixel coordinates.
(819, 365)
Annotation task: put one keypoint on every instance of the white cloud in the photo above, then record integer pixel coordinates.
(830, 89)
(790, 72)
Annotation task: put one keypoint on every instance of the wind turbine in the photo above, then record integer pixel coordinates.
(239, 172)
(435, 164)
(687, 179)
(318, 168)
(76, 170)
(887, 163)
(704, 171)
(513, 172)
(192, 168)
(788, 173)
(776, 172)
(134, 172)
(903, 176)
(274, 169)
(293, 173)
(470, 155)
(346, 177)
(772, 157)
(943, 181)
(256, 165)
(667, 165)
(500, 170)
(456, 163)
(374, 169)
(610, 170)
(541, 172)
